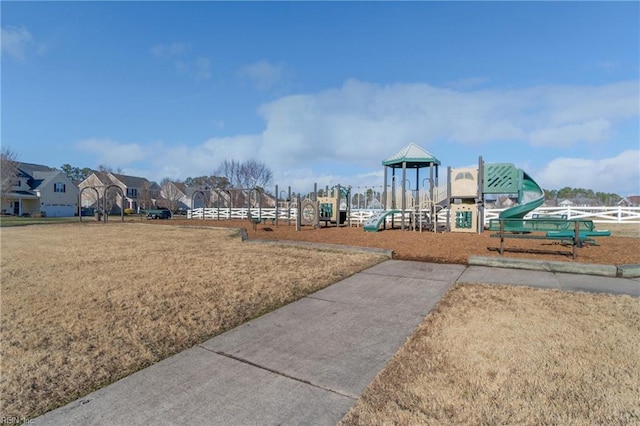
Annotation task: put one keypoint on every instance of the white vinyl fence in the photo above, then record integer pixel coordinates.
(241, 213)
(596, 214)
(359, 216)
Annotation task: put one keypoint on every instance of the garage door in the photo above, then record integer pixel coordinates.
(59, 210)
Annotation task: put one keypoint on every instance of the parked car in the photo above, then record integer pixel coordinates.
(159, 213)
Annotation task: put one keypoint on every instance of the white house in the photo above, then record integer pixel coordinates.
(40, 190)
(566, 203)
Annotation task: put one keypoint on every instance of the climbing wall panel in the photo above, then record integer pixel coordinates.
(501, 178)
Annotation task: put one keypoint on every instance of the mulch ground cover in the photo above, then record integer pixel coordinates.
(434, 247)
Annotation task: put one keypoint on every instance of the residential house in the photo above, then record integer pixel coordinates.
(504, 202)
(178, 196)
(579, 202)
(138, 192)
(40, 190)
(248, 198)
(630, 201)
(566, 203)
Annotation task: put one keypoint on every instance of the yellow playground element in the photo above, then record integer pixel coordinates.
(463, 196)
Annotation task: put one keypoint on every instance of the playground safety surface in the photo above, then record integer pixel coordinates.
(438, 247)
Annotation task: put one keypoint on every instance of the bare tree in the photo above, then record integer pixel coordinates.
(244, 175)
(171, 193)
(8, 169)
(248, 174)
(146, 196)
(108, 169)
(207, 182)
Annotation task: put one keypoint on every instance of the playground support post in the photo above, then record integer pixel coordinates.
(404, 192)
(218, 199)
(299, 215)
(448, 199)
(432, 206)
(338, 206)
(480, 202)
(349, 206)
(277, 203)
(289, 208)
(384, 191)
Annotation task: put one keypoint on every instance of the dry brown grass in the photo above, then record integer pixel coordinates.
(513, 355)
(84, 305)
(631, 230)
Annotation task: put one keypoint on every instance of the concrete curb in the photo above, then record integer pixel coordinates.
(324, 246)
(244, 236)
(628, 271)
(549, 266)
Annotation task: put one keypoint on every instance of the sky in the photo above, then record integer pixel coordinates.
(325, 91)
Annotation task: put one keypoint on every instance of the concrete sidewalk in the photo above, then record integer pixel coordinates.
(306, 363)
(551, 280)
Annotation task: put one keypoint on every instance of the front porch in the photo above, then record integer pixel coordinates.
(21, 204)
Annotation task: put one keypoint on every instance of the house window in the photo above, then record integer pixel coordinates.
(132, 192)
(59, 187)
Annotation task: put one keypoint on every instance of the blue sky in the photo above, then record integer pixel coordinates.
(324, 91)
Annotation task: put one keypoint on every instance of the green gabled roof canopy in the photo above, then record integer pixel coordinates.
(413, 155)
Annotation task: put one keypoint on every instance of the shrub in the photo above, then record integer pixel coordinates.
(128, 211)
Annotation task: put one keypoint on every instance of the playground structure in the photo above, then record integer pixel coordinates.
(466, 192)
(422, 213)
(418, 203)
(333, 207)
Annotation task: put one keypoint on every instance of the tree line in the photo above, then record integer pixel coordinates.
(568, 193)
(229, 174)
(234, 174)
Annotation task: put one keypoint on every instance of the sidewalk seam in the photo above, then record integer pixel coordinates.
(279, 373)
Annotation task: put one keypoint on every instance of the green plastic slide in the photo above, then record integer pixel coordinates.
(373, 223)
(531, 194)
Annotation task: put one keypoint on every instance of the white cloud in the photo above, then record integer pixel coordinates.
(597, 130)
(18, 43)
(619, 174)
(114, 154)
(359, 120)
(577, 104)
(263, 75)
(341, 135)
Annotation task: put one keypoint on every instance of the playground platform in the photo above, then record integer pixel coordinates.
(307, 362)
